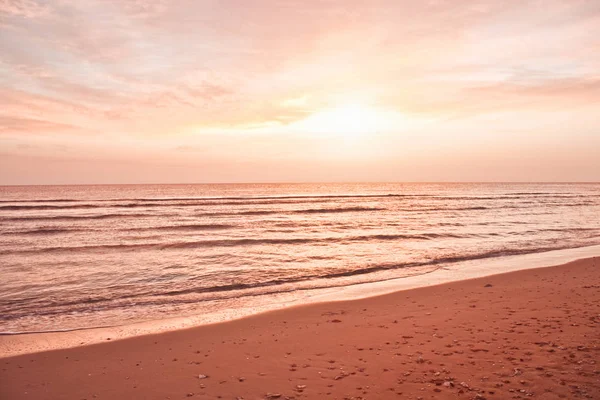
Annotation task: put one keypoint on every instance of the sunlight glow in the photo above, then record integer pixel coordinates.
(354, 120)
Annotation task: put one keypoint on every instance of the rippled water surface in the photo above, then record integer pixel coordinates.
(83, 256)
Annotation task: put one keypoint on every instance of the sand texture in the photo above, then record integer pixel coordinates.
(526, 334)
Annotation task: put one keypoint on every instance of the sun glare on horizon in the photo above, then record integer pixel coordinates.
(351, 120)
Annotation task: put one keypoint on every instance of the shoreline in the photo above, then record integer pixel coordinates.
(13, 344)
(513, 335)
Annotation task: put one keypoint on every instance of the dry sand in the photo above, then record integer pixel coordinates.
(526, 334)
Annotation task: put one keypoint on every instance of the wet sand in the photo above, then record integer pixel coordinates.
(524, 334)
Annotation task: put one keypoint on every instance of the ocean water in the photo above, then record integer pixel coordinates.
(76, 257)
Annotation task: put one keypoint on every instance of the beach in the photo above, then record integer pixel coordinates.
(532, 333)
(299, 200)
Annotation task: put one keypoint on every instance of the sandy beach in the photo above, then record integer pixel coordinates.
(533, 333)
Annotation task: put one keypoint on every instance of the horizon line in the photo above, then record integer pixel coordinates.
(306, 183)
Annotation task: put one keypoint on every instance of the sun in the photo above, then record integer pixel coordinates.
(350, 120)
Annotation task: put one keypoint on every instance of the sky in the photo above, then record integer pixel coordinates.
(193, 91)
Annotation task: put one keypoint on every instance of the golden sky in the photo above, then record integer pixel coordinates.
(134, 91)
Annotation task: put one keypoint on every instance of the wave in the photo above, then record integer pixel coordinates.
(208, 214)
(42, 231)
(337, 210)
(267, 212)
(441, 261)
(182, 201)
(82, 328)
(253, 199)
(18, 308)
(80, 217)
(47, 207)
(150, 205)
(557, 230)
(254, 241)
(266, 200)
(298, 211)
(234, 243)
(448, 260)
(260, 212)
(39, 201)
(219, 198)
(190, 227)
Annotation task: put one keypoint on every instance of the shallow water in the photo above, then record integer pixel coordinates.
(83, 256)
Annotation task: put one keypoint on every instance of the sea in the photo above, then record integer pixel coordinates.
(76, 257)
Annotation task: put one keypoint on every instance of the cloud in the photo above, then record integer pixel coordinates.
(22, 9)
(14, 125)
(538, 93)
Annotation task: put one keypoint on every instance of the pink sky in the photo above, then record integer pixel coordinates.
(133, 91)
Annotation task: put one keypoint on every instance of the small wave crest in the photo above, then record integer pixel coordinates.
(41, 231)
(234, 243)
(189, 227)
(337, 210)
(79, 217)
